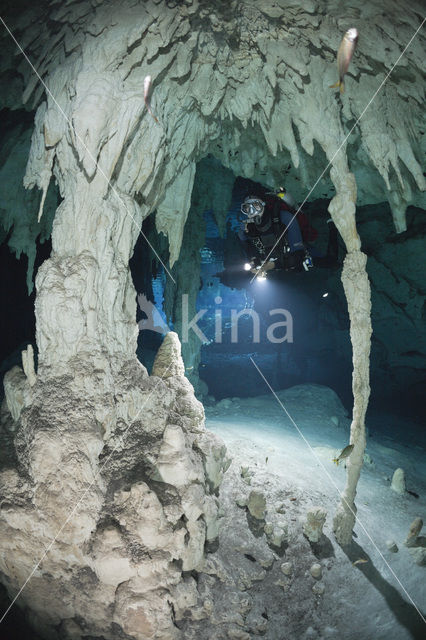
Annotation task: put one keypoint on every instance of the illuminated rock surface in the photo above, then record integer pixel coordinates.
(113, 497)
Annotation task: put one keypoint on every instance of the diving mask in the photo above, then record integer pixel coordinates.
(252, 207)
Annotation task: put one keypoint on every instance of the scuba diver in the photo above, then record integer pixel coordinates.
(274, 238)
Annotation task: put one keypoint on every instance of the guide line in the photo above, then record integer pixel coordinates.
(331, 161)
(86, 491)
(102, 172)
(331, 479)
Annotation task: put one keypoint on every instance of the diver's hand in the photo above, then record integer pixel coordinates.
(268, 266)
(262, 269)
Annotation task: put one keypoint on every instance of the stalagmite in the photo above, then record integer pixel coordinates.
(398, 481)
(28, 365)
(168, 360)
(314, 524)
(415, 528)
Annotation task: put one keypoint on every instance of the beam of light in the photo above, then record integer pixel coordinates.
(319, 461)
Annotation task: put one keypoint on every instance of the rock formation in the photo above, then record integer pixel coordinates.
(110, 490)
(18, 206)
(315, 520)
(253, 91)
(415, 528)
(247, 83)
(398, 481)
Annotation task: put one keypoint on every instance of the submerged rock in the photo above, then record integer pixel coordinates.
(123, 481)
(398, 481)
(276, 533)
(318, 588)
(315, 520)
(226, 403)
(415, 528)
(368, 460)
(419, 555)
(316, 571)
(257, 504)
(287, 568)
(392, 546)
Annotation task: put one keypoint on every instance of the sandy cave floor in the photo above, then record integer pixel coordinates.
(363, 601)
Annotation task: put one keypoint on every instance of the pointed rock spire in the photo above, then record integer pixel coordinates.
(168, 361)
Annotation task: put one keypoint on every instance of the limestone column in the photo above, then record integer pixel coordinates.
(357, 291)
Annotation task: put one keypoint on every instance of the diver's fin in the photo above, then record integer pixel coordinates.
(335, 85)
(342, 86)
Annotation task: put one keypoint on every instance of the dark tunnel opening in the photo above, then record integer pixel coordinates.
(297, 352)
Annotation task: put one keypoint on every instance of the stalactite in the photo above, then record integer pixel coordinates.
(207, 194)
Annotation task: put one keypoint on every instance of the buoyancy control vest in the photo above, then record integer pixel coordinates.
(264, 234)
(267, 233)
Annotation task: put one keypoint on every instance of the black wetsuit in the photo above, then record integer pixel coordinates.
(260, 237)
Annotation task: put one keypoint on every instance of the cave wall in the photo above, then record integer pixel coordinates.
(398, 308)
(18, 206)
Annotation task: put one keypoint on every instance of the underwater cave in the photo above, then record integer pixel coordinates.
(213, 339)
